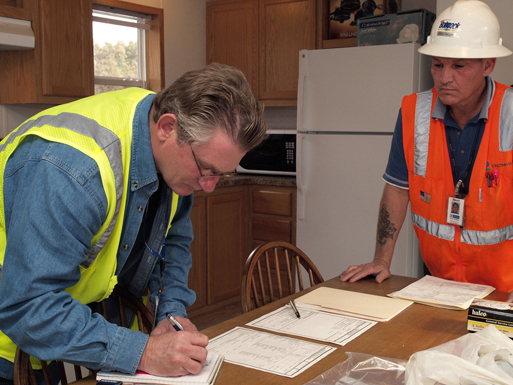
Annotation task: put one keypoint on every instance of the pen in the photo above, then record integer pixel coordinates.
(293, 305)
(173, 321)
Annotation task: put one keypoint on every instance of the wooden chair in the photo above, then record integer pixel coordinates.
(23, 372)
(126, 300)
(275, 270)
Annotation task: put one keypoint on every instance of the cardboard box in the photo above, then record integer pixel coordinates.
(402, 27)
(483, 313)
(344, 15)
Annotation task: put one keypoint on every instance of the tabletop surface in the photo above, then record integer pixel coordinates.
(416, 328)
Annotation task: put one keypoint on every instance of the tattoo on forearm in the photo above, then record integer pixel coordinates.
(386, 229)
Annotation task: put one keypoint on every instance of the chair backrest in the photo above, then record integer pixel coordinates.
(126, 300)
(23, 372)
(275, 270)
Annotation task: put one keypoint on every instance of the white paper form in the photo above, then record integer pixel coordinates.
(271, 353)
(444, 293)
(328, 327)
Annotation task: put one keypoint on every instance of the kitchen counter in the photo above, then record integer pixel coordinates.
(253, 179)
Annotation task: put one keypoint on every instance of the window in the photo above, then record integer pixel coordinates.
(122, 40)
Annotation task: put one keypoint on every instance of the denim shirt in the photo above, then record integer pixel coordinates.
(54, 205)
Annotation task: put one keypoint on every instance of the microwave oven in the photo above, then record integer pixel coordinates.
(276, 155)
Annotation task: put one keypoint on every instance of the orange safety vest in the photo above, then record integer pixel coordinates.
(481, 251)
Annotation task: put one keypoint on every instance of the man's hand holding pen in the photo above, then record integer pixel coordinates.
(169, 353)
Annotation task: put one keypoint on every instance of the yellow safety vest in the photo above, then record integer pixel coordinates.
(106, 137)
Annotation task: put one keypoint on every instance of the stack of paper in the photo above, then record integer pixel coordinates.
(373, 307)
(206, 376)
(443, 293)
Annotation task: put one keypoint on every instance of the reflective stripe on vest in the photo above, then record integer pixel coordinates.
(435, 229)
(472, 237)
(422, 124)
(506, 122)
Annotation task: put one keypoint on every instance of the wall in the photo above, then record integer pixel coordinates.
(11, 116)
(185, 49)
(185, 36)
(430, 5)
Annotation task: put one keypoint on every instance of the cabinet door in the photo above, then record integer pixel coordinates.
(60, 67)
(198, 273)
(285, 28)
(18, 9)
(232, 36)
(226, 243)
(66, 47)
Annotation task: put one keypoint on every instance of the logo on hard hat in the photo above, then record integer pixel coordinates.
(447, 28)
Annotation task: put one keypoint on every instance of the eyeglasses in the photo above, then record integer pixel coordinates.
(209, 176)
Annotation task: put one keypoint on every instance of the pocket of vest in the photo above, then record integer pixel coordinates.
(496, 207)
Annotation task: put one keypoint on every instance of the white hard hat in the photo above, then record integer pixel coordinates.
(466, 30)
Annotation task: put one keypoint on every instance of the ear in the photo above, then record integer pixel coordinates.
(489, 65)
(166, 124)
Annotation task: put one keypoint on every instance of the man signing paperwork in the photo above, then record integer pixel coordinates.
(453, 144)
(97, 193)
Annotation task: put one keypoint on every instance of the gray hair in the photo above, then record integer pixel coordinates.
(217, 96)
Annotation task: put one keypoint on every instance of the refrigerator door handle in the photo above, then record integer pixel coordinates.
(301, 89)
(300, 128)
(299, 177)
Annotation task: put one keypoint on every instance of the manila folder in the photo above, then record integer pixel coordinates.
(352, 303)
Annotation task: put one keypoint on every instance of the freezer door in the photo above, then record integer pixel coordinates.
(339, 189)
(358, 89)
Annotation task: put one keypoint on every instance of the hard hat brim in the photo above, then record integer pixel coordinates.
(464, 52)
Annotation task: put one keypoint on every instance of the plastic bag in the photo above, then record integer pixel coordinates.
(481, 358)
(363, 369)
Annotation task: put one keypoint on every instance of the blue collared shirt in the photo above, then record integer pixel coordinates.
(54, 204)
(462, 141)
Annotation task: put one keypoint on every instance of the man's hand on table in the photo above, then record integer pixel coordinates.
(378, 268)
(172, 353)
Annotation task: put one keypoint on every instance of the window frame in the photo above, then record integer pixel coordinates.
(154, 41)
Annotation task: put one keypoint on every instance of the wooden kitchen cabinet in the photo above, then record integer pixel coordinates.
(60, 67)
(276, 29)
(228, 224)
(285, 27)
(273, 214)
(198, 272)
(232, 36)
(219, 247)
(226, 243)
(18, 9)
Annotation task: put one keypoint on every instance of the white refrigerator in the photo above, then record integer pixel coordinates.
(348, 102)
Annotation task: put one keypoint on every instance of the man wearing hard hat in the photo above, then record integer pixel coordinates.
(453, 147)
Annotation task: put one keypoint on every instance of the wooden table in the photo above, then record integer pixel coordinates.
(418, 327)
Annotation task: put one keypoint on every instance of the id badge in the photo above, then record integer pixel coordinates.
(455, 211)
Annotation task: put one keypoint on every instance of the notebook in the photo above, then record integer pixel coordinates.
(351, 303)
(206, 376)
